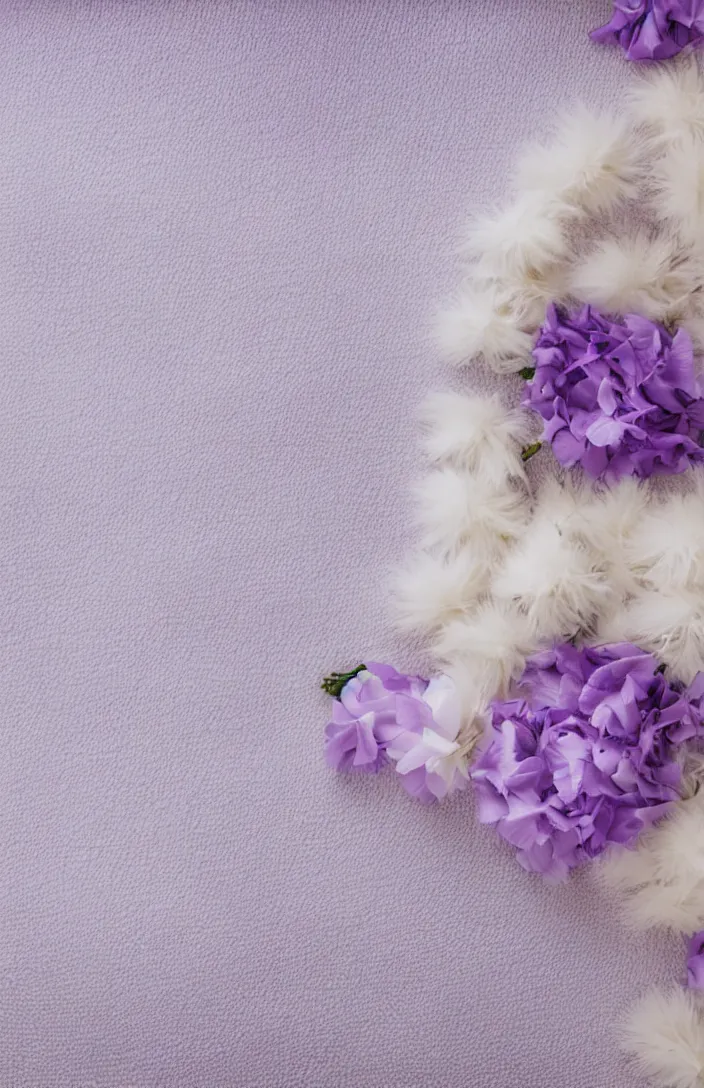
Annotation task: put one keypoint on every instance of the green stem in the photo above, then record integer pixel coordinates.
(530, 451)
(335, 682)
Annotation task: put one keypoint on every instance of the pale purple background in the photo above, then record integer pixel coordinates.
(224, 228)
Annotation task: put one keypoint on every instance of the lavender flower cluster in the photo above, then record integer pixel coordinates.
(382, 716)
(617, 396)
(586, 756)
(653, 29)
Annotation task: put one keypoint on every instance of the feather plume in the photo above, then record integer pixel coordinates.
(665, 1035)
(669, 100)
(608, 521)
(484, 651)
(591, 165)
(652, 276)
(432, 589)
(679, 189)
(661, 882)
(665, 550)
(455, 508)
(481, 323)
(523, 239)
(477, 434)
(551, 576)
(670, 625)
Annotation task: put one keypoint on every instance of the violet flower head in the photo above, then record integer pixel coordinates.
(363, 714)
(585, 757)
(653, 29)
(618, 396)
(695, 961)
(383, 715)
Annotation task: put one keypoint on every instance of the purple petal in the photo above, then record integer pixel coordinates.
(695, 961)
(606, 432)
(617, 396)
(653, 29)
(560, 782)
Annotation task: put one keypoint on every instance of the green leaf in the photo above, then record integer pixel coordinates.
(530, 451)
(335, 682)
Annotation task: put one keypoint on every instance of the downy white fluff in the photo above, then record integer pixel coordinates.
(679, 188)
(551, 576)
(529, 292)
(608, 520)
(434, 588)
(477, 434)
(665, 550)
(661, 882)
(652, 276)
(670, 625)
(664, 1033)
(480, 323)
(694, 325)
(591, 164)
(524, 238)
(455, 508)
(669, 100)
(484, 651)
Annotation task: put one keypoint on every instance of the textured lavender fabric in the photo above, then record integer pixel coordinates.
(223, 228)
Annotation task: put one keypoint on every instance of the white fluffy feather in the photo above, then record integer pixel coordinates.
(477, 434)
(551, 576)
(665, 1035)
(562, 503)
(480, 323)
(661, 883)
(524, 238)
(527, 292)
(552, 581)
(666, 550)
(652, 276)
(669, 100)
(694, 325)
(484, 651)
(591, 164)
(432, 589)
(455, 508)
(679, 189)
(608, 522)
(670, 625)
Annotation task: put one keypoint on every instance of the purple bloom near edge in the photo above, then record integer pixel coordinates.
(383, 715)
(653, 29)
(617, 396)
(586, 757)
(695, 961)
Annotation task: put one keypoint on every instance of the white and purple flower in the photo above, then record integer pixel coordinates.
(381, 715)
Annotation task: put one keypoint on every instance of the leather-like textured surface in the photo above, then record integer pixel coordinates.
(224, 228)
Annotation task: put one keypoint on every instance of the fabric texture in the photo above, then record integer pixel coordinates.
(225, 228)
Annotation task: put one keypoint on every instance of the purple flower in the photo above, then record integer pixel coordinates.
(695, 961)
(426, 749)
(384, 715)
(653, 29)
(364, 717)
(618, 396)
(584, 757)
